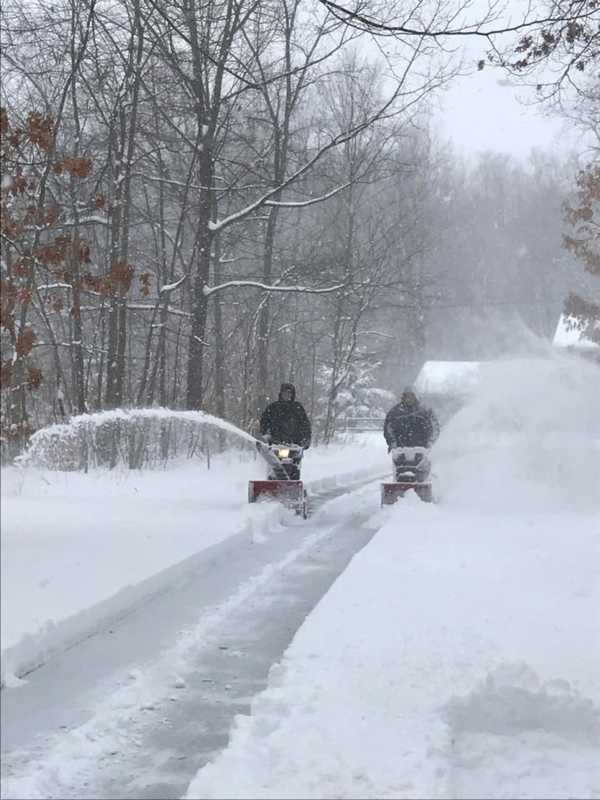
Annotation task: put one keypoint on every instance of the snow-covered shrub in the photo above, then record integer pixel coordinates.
(136, 438)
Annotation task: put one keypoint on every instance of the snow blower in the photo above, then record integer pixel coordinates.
(283, 481)
(411, 468)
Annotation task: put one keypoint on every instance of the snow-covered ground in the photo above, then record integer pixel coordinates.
(78, 550)
(457, 656)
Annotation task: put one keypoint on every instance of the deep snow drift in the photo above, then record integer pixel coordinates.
(458, 654)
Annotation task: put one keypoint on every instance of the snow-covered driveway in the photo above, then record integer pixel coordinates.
(159, 680)
(79, 550)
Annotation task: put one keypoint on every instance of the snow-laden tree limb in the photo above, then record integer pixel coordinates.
(54, 286)
(341, 138)
(208, 290)
(377, 333)
(170, 287)
(90, 219)
(237, 216)
(302, 203)
(178, 312)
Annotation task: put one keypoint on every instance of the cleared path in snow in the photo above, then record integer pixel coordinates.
(113, 718)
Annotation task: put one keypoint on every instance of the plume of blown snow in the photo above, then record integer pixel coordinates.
(528, 439)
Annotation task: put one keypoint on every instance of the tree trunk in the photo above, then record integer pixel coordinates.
(264, 316)
(117, 346)
(219, 338)
(195, 375)
(77, 338)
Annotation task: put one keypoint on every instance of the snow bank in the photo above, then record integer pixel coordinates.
(79, 550)
(457, 655)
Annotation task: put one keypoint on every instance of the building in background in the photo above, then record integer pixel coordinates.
(445, 386)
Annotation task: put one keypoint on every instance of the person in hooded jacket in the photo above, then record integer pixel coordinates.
(409, 424)
(285, 421)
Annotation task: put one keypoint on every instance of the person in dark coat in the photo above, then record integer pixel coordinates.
(409, 424)
(285, 421)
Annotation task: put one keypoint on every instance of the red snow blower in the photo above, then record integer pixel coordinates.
(283, 481)
(411, 468)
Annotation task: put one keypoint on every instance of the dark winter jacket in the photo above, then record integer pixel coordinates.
(410, 427)
(286, 421)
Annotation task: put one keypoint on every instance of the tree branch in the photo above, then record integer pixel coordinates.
(208, 290)
(302, 203)
(369, 23)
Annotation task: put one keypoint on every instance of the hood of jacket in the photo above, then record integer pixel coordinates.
(287, 386)
(409, 401)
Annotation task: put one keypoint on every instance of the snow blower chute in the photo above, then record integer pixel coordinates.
(283, 481)
(411, 468)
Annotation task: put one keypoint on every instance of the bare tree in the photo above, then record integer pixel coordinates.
(395, 19)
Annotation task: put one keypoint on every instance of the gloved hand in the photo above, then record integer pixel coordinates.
(267, 438)
(305, 444)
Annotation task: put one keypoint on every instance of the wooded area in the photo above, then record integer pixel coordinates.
(201, 199)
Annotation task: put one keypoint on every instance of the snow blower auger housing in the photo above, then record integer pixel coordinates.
(411, 468)
(283, 481)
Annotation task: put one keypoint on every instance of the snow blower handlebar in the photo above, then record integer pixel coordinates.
(283, 482)
(281, 458)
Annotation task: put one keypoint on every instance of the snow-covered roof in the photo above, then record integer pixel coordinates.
(568, 335)
(447, 377)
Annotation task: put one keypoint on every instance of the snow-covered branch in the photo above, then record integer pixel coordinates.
(208, 290)
(384, 110)
(144, 307)
(169, 181)
(170, 287)
(302, 203)
(147, 307)
(377, 333)
(45, 286)
(90, 219)
(335, 141)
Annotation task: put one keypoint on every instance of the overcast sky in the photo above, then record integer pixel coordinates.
(482, 112)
